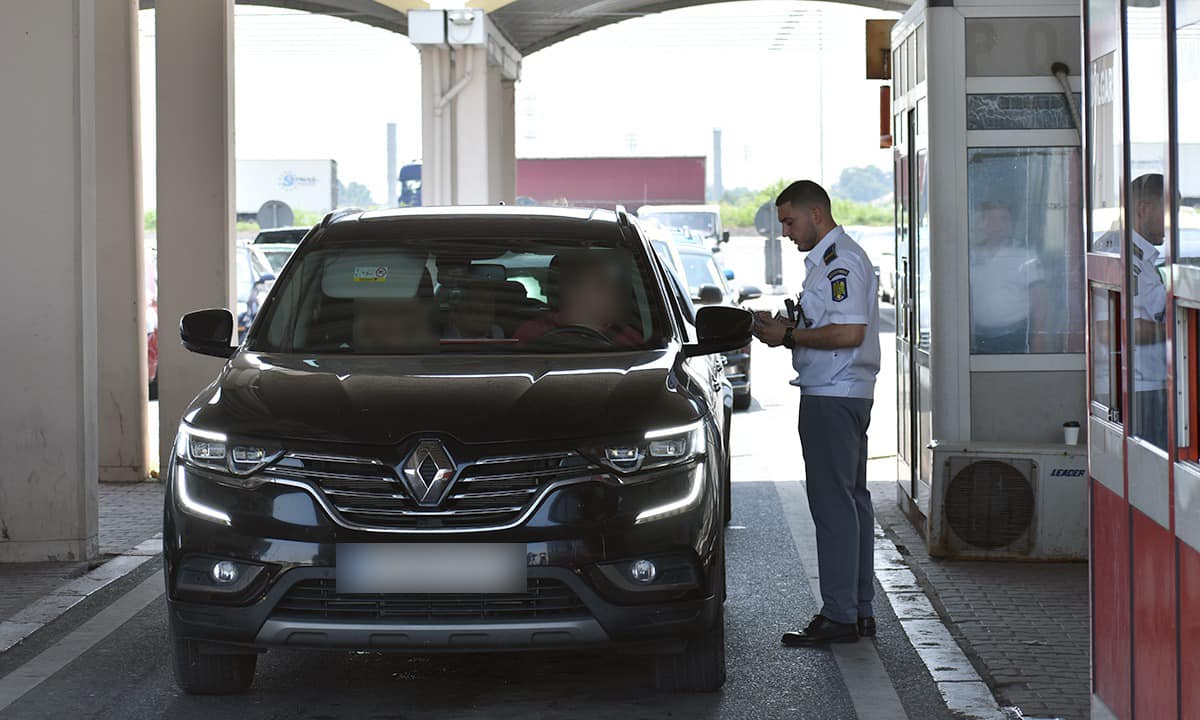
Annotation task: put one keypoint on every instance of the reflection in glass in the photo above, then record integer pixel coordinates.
(1145, 216)
(1105, 149)
(1025, 251)
(1149, 306)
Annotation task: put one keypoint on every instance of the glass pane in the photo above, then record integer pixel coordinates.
(1025, 111)
(1145, 215)
(1187, 95)
(1104, 349)
(1025, 250)
(902, 259)
(1103, 22)
(1020, 46)
(1105, 151)
(924, 274)
(920, 70)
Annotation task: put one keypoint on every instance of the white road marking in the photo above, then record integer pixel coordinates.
(871, 689)
(78, 641)
(49, 608)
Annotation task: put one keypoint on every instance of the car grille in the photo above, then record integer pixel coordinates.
(487, 493)
(543, 598)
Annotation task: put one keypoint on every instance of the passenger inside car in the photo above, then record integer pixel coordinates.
(472, 314)
(593, 293)
(389, 326)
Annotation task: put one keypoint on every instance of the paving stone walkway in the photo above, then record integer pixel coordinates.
(129, 514)
(1024, 625)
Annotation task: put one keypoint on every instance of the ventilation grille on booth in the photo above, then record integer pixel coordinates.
(989, 504)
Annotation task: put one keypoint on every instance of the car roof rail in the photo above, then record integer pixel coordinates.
(335, 215)
(622, 216)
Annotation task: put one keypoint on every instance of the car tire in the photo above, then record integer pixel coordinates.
(742, 402)
(700, 667)
(199, 673)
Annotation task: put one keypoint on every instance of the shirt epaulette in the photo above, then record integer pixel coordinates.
(830, 254)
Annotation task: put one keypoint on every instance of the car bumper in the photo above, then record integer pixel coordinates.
(737, 370)
(663, 626)
(289, 544)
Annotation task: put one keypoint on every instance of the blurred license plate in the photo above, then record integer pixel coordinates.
(431, 568)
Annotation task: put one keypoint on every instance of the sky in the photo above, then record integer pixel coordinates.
(783, 80)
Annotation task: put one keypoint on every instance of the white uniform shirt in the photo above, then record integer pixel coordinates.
(839, 289)
(1001, 277)
(1150, 304)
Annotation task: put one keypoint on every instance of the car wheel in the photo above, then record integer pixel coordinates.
(742, 402)
(199, 673)
(700, 667)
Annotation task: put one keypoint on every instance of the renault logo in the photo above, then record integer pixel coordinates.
(428, 472)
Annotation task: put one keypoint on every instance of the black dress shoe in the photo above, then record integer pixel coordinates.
(866, 627)
(822, 631)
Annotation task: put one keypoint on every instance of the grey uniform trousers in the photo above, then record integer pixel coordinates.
(833, 434)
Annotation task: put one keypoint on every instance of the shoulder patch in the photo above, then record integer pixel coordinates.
(839, 289)
(839, 272)
(830, 254)
(1136, 250)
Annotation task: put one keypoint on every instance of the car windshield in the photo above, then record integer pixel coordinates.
(703, 222)
(385, 295)
(700, 270)
(277, 258)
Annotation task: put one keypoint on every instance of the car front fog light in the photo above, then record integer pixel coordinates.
(643, 571)
(224, 572)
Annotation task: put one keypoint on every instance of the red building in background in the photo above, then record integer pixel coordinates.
(608, 182)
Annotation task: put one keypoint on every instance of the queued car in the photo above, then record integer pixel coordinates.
(707, 283)
(255, 277)
(281, 236)
(457, 429)
(702, 219)
(880, 245)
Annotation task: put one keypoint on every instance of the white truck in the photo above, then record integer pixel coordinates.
(269, 191)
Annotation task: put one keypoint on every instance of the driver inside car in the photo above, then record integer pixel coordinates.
(593, 300)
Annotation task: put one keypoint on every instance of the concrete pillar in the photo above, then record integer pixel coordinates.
(194, 51)
(121, 302)
(48, 172)
(468, 113)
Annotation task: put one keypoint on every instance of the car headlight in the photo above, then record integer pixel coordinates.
(658, 448)
(216, 451)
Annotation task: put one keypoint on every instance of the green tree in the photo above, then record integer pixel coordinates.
(862, 184)
(354, 195)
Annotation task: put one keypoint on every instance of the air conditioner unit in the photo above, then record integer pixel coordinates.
(994, 501)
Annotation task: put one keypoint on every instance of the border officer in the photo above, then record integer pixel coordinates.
(833, 334)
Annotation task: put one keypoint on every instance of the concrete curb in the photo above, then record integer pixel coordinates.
(66, 596)
(961, 687)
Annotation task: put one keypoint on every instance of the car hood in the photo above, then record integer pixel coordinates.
(474, 399)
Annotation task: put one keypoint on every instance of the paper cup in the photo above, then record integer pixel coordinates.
(1071, 433)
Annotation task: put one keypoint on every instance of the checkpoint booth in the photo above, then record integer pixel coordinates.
(990, 310)
(1143, 275)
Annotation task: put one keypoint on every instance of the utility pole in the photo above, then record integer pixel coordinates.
(391, 166)
(718, 189)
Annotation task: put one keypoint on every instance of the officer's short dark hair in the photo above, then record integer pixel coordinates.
(804, 193)
(1146, 188)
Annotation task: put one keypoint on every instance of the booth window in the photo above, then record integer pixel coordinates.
(1025, 250)
(1105, 149)
(1145, 218)
(923, 241)
(1106, 353)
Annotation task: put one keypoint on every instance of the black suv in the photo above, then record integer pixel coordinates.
(456, 429)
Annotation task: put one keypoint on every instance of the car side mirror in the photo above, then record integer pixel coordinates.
(720, 329)
(208, 332)
(710, 295)
(749, 292)
(725, 236)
